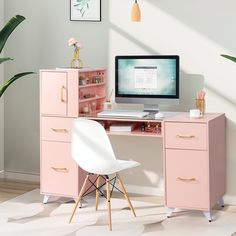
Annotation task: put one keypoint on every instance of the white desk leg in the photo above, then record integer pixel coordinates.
(45, 199)
(169, 211)
(207, 214)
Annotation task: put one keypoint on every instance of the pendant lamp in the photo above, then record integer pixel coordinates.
(136, 13)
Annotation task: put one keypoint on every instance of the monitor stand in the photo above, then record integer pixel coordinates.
(151, 108)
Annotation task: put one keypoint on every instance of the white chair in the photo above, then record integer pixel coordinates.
(92, 151)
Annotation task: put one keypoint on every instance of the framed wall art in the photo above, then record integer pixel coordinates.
(85, 10)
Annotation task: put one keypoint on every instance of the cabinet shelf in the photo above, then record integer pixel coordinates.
(91, 85)
(142, 128)
(91, 99)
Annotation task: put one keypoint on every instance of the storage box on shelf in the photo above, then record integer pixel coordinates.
(64, 95)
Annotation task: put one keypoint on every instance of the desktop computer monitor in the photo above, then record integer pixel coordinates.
(147, 79)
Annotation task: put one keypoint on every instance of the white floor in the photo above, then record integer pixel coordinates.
(26, 215)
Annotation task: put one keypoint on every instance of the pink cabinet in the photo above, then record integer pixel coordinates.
(194, 157)
(64, 95)
(59, 173)
(187, 177)
(54, 88)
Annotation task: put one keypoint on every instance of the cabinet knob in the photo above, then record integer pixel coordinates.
(186, 178)
(63, 93)
(59, 130)
(185, 136)
(60, 169)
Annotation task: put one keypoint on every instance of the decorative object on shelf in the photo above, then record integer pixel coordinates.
(85, 10)
(4, 34)
(136, 13)
(108, 103)
(76, 62)
(151, 127)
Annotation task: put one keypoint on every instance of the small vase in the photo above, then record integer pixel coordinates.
(76, 62)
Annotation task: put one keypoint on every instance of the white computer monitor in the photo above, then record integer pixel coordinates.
(147, 79)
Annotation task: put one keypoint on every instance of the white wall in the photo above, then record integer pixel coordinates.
(198, 32)
(1, 100)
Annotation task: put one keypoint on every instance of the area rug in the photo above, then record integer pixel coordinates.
(26, 215)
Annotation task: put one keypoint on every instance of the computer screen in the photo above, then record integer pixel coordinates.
(147, 79)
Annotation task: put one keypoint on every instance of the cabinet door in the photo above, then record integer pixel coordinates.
(187, 179)
(54, 93)
(59, 172)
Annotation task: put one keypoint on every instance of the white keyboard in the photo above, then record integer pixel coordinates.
(123, 113)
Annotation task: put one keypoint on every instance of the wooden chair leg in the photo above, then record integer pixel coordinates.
(126, 194)
(109, 202)
(79, 198)
(97, 192)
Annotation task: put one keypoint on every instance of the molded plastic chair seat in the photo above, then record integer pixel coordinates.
(117, 166)
(92, 151)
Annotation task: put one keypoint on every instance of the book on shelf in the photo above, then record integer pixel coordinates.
(121, 127)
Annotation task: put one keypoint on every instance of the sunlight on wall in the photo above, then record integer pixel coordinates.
(161, 33)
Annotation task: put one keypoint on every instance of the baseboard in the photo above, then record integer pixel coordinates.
(22, 176)
(229, 199)
(1, 173)
(152, 191)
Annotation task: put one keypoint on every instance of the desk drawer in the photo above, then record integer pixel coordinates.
(59, 172)
(187, 179)
(56, 129)
(186, 135)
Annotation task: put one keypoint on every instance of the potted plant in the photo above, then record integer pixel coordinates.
(4, 34)
(229, 57)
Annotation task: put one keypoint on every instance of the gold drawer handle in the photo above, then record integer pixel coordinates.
(60, 130)
(63, 92)
(186, 178)
(60, 169)
(185, 136)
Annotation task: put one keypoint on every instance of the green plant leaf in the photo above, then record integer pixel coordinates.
(10, 81)
(229, 57)
(5, 59)
(8, 28)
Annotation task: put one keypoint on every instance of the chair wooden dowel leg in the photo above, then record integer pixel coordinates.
(79, 198)
(97, 192)
(126, 195)
(109, 202)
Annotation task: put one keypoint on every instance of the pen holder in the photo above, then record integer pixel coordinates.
(200, 104)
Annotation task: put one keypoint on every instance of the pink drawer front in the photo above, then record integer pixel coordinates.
(186, 135)
(56, 129)
(59, 172)
(187, 179)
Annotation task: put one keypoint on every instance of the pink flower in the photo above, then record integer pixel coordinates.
(74, 42)
(78, 45)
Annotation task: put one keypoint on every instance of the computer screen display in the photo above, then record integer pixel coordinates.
(146, 79)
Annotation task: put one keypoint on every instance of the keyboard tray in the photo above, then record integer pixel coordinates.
(123, 113)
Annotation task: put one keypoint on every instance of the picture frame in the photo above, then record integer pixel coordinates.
(85, 10)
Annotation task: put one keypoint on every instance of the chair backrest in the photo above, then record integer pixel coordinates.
(91, 147)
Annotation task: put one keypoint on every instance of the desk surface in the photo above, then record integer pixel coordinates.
(149, 126)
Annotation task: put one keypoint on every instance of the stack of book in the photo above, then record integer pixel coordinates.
(121, 127)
